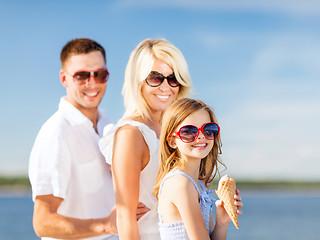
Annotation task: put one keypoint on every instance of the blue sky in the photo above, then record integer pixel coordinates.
(257, 63)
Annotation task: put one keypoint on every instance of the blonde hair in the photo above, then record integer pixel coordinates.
(140, 65)
(169, 157)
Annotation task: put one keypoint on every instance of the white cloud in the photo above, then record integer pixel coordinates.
(209, 39)
(296, 7)
(263, 163)
(272, 139)
(291, 49)
(14, 168)
(270, 127)
(272, 49)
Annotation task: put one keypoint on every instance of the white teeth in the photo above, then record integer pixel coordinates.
(91, 94)
(162, 97)
(200, 145)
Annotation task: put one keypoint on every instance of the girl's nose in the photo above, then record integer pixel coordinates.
(200, 135)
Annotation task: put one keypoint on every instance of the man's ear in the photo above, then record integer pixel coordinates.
(63, 80)
(172, 142)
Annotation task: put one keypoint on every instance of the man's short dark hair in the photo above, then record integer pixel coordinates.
(80, 46)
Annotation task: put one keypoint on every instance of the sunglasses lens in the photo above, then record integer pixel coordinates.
(101, 76)
(188, 133)
(154, 79)
(173, 82)
(81, 76)
(211, 130)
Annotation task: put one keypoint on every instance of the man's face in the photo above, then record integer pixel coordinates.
(86, 96)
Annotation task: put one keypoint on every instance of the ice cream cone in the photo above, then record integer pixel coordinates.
(226, 191)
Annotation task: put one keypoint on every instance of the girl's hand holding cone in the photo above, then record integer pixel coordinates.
(227, 208)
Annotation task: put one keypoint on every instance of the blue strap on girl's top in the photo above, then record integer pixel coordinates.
(206, 204)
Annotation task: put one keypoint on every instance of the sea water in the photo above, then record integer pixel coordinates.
(279, 214)
(268, 214)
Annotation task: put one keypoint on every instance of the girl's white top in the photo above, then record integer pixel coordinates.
(177, 230)
(148, 223)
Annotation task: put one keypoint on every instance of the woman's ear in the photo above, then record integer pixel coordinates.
(172, 142)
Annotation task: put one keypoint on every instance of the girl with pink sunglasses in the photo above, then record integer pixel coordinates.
(189, 149)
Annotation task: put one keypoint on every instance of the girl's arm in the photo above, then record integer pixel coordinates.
(129, 152)
(186, 199)
(220, 229)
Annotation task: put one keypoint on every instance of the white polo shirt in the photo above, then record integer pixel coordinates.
(66, 161)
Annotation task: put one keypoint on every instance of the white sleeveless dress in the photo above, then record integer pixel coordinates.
(148, 223)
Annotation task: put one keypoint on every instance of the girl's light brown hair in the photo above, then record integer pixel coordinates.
(169, 157)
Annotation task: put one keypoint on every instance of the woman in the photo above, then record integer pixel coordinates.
(156, 75)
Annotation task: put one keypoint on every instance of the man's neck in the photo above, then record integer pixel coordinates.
(92, 115)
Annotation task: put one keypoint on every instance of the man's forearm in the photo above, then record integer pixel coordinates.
(58, 226)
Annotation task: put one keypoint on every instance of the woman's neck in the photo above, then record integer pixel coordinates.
(153, 122)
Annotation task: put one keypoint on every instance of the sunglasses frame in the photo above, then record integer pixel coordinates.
(92, 74)
(198, 132)
(163, 78)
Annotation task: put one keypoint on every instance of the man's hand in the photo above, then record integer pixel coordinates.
(141, 210)
(108, 225)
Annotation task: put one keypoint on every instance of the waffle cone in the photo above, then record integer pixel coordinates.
(226, 193)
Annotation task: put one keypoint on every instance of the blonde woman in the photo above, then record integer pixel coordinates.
(156, 75)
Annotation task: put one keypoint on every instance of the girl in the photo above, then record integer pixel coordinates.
(156, 75)
(189, 148)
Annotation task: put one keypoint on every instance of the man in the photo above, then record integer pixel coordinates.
(71, 182)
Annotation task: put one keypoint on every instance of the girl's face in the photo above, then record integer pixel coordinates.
(199, 148)
(159, 98)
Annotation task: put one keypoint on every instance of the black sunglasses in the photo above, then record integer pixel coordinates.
(155, 79)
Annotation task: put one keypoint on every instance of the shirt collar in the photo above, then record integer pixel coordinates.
(74, 116)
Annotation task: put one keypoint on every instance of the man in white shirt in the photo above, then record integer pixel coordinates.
(71, 182)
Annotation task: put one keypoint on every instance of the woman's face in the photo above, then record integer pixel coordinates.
(159, 98)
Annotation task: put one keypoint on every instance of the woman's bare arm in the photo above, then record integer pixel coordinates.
(129, 154)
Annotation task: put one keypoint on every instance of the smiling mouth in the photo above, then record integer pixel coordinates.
(91, 95)
(163, 97)
(200, 145)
